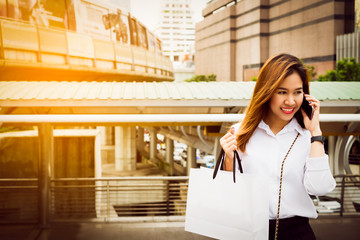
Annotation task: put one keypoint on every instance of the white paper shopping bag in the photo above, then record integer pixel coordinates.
(224, 209)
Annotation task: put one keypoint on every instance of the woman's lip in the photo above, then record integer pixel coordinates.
(287, 110)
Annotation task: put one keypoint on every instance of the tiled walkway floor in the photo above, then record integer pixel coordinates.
(325, 228)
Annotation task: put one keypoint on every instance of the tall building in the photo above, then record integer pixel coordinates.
(176, 30)
(357, 15)
(235, 38)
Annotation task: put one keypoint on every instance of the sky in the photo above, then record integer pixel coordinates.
(148, 11)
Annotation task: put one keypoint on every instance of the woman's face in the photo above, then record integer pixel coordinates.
(286, 100)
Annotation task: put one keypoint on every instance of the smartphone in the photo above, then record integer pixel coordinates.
(307, 108)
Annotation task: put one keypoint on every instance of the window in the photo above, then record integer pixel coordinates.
(142, 36)
(94, 15)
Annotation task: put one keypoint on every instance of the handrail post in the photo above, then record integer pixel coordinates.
(342, 195)
(167, 197)
(108, 201)
(46, 156)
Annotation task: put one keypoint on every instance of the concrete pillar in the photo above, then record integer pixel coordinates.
(102, 134)
(107, 142)
(191, 159)
(331, 153)
(106, 135)
(97, 156)
(169, 154)
(140, 139)
(125, 148)
(153, 143)
(46, 160)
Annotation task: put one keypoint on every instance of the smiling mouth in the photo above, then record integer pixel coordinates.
(287, 110)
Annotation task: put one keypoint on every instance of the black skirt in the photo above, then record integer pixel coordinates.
(294, 228)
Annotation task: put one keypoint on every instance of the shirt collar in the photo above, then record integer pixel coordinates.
(291, 126)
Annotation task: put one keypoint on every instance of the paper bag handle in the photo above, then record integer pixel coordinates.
(221, 159)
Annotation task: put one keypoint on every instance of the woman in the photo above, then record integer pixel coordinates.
(272, 121)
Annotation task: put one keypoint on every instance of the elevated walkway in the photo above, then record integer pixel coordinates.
(31, 52)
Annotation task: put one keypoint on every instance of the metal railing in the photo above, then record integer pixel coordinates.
(134, 198)
(343, 200)
(349, 185)
(117, 198)
(19, 200)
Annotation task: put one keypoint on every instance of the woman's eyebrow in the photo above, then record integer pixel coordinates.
(282, 88)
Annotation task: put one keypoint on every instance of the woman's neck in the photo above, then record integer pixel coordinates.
(275, 125)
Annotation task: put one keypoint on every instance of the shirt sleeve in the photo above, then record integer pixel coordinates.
(318, 179)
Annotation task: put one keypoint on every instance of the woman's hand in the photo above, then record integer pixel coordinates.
(229, 145)
(312, 125)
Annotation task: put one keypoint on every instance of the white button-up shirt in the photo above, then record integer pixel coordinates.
(302, 175)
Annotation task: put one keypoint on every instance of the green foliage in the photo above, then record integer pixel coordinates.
(211, 78)
(202, 78)
(311, 71)
(346, 70)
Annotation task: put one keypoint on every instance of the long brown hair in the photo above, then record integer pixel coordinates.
(274, 71)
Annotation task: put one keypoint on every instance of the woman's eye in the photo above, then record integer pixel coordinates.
(281, 92)
(299, 92)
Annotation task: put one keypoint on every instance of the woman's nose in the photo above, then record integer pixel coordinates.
(290, 100)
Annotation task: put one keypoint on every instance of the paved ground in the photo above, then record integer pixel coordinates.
(325, 228)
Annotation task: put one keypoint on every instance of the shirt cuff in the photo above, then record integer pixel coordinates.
(318, 163)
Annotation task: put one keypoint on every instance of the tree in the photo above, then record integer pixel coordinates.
(311, 71)
(202, 78)
(345, 70)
